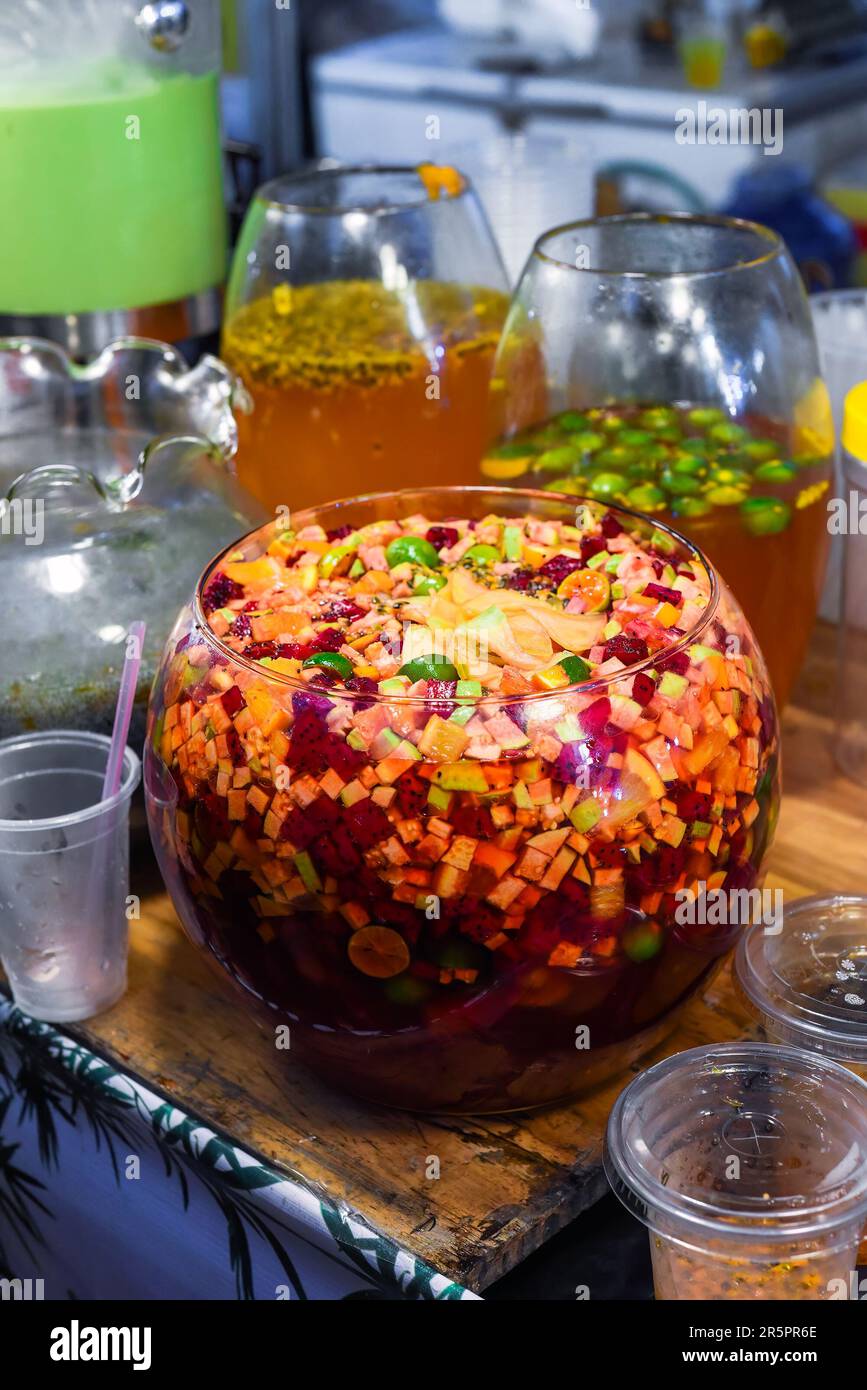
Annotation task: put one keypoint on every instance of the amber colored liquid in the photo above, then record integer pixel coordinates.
(341, 425)
(304, 446)
(776, 579)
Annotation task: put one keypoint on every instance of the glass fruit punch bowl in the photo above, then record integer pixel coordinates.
(429, 774)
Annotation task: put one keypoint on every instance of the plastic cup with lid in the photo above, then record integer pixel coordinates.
(807, 984)
(748, 1164)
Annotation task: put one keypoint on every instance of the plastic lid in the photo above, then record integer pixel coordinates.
(854, 437)
(808, 983)
(746, 1142)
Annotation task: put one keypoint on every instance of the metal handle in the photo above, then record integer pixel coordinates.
(164, 24)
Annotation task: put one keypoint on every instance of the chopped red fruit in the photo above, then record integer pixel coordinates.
(342, 608)
(643, 689)
(441, 537)
(368, 823)
(558, 567)
(693, 805)
(366, 688)
(678, 662)
(220, 591)
(412, 792)
(627, 649)
(439, 698)
(594, 718)
(255, 651)
(663, 594)
(233, 700)
(590, 546)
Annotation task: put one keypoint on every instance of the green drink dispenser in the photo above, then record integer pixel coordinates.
(112, 214)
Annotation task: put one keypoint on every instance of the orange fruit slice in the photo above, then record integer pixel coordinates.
(378, 951)
(591, 585)
(440, 180)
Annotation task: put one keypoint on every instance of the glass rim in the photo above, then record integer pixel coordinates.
(131, 765)
(266, 192)
(779, 1004)
(600, 684)
(662, 1207)
(774, 244)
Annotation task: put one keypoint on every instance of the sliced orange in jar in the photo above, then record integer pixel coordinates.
(590, 585)
(379, 952)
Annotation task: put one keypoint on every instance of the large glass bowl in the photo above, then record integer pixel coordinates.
(600, 954)
(669, 363)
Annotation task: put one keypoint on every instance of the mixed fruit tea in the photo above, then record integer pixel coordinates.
(428, 789)
(357, 388)
(751, 495)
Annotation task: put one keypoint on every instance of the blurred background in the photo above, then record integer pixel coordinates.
(573, 103)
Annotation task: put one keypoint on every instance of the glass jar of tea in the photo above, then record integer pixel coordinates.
(363, 314)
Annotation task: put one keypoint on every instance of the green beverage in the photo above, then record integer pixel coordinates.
(112, 190)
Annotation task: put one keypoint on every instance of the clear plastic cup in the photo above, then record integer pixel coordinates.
(748, 1164)
(64, 874)
(807, 984)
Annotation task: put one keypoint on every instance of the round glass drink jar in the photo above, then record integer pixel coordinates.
(457, 901)
(363, 312)
(669, 363)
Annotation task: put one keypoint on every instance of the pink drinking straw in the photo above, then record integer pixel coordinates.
(123, 710)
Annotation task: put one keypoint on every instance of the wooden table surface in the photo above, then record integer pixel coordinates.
(506, 1184)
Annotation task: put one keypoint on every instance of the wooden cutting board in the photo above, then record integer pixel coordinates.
(506, 1184)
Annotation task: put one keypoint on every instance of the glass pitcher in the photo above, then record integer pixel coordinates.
(111, 171)
(116, 487)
